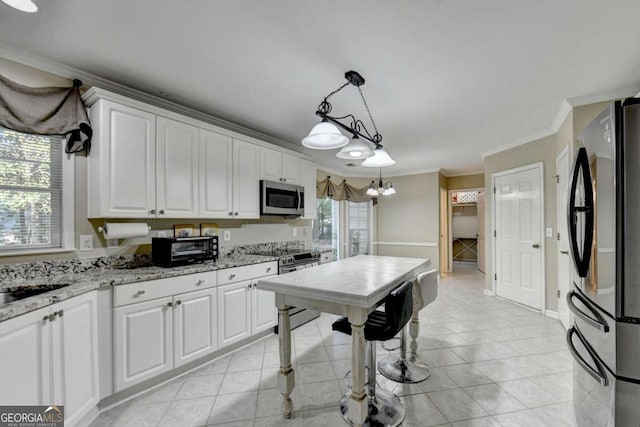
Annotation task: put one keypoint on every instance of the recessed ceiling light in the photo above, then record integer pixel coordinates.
(22, 5)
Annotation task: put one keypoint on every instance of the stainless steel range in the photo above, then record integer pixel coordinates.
(290, 260)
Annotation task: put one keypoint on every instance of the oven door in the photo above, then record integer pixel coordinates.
(277, 198)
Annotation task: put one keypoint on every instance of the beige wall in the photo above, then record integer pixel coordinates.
(265, 229)
(411, 216)
(542, 150)
(463, 182)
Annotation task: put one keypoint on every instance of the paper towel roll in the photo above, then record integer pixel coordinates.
(125, 230)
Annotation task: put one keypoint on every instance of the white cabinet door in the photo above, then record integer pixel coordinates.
(246, 182)
(216, 161)
(270, 164)
(75, 355)
(309, 183)
(121, 168)
(176, 169)
(264, 314)
(26, 360)
(291, 169)
(194, 325)
(143, 341)
(234, 315)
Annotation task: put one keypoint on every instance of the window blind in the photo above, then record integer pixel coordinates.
(30, 191)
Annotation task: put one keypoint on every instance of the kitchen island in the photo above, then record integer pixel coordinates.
(351, 287)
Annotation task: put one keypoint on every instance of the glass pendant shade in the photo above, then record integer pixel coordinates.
(23, 5)
(371, 191)
(357, 149)
(379, 159)
(324, 136)
(389, 190)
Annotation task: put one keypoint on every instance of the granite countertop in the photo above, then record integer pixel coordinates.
(106, 277)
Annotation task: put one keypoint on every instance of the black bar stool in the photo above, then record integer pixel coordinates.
(411, 371)
(385, 409)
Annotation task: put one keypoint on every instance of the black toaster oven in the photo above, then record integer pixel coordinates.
(169, 251)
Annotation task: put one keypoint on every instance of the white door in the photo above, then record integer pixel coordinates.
(176, 169)
(263, 309)
(246, 182)
(143, 341)
(25, 352)
(270, 164)
(75, 356)
(127, 158)
(310, 192)
(291, 172)
(234, 315)
(194, 325)
(481, 237)
(444, 231)
(518, 239)
(564, 259)
(216, 157)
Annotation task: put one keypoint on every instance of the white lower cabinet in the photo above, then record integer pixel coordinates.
(50, 356)
(194, 325)
(244, 311)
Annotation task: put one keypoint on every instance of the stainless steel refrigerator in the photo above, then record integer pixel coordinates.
(604, 236)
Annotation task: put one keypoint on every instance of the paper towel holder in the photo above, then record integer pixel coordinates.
(104, 228)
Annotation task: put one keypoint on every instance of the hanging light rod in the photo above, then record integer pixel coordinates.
(365, 145)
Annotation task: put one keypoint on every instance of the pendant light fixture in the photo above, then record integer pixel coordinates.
(379, 159)
(364, 144)
(385, 189)
(22, 5)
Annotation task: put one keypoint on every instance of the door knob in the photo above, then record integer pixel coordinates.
(535, 245)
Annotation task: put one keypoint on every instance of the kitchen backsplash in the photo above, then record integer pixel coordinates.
(32, 270)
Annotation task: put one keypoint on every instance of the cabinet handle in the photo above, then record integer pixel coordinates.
(169, 304)
(535, 246)
(268, 269)
(60, 313)
(161, 212)
(280, 179)
(140, 292)
(199, 282)
(564, 252)
(236, 214)
(53, 315)
(284, 179)
(230, 213)
(152, 211)
(45, 318)
(178, 303)
(249, 286)
(231, 276)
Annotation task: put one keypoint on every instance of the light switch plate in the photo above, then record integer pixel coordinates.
(295, 232)
(227, 235)
(86, 242)
(549, 232)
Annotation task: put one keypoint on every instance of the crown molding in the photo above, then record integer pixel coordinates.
(453, 175)
(89, 79)
(617, 93)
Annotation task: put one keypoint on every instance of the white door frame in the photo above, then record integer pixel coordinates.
(540, 167)
(559, 211)
(450, 219)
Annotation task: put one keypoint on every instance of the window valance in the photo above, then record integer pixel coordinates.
(46, 111)
(343, 191)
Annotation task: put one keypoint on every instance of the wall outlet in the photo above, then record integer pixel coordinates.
(86, 242)
(295, 232)
(227, 235)
(549, 232)
(112, 243)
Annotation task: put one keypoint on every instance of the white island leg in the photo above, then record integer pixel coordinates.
(358, 404)
(286, 376)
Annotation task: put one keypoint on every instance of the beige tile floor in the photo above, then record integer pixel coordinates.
(493, 363)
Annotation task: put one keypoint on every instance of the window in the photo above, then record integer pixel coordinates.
(31, 192)
(326, 226)
(358, 216)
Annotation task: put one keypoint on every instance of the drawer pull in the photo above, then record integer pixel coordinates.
(60, 313)
(249, 286)
(200, 282)
(268, 269)
(141, 292)
(232, 276)
(45, 318)
(169, 304)
(178, 303)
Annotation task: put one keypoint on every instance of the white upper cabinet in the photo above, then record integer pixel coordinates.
(246, 182)
(176, 169)
(310, 191)
(216, 180)
(278, 166)
(121, 164)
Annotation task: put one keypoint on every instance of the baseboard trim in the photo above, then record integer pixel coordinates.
(489, 292)
(552, 314)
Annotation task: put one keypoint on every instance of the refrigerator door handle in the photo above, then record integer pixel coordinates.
(597, 321)
(581, 259)
(598, 373)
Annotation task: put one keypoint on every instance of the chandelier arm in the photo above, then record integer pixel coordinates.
(356, 127)
(368, 111)
(336, 91)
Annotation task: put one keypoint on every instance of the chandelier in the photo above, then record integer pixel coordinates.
(385, 189)
(364, 145)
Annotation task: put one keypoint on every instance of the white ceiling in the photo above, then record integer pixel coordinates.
(446, 80)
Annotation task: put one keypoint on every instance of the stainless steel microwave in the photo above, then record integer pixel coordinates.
(279, 198)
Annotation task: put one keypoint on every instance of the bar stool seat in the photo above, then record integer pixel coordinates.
(385, 408)
(412, 370)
